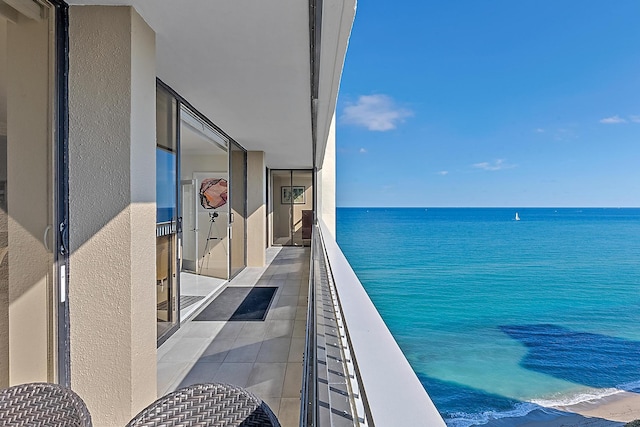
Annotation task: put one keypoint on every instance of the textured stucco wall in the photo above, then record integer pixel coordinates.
(256, 208)
(327, 181)
(112, 211)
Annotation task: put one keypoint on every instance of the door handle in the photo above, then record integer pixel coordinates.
(45, 237)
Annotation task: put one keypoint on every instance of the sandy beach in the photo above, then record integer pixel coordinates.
(612, 411)
(621, 407)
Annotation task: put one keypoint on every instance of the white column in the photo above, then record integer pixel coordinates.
(112, 214)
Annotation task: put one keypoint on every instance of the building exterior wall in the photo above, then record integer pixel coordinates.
(112, 142)
(256, 208)
(112, 211)
(327, 181)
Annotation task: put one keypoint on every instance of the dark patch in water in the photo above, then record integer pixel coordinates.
(583, 358)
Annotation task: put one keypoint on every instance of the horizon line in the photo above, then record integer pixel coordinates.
(487, 207)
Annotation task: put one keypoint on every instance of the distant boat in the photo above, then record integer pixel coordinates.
(517, 217)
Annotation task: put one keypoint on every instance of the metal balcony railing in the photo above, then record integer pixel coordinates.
(165, 228)
(354, 373)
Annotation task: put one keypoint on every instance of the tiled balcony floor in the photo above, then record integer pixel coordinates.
(264, 357)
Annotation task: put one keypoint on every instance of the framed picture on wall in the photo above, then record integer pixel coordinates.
(295, 194)
(211, 190)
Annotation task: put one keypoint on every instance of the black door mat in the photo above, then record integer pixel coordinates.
(185, 301)
(236, 304)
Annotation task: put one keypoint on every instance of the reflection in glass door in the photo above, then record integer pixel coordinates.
(167, 279)
(28, 241)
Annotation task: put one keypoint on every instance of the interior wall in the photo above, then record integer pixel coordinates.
(212, 258)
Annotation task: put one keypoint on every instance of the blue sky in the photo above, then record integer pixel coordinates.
(491, 103)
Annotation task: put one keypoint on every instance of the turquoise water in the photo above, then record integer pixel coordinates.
(499, 317)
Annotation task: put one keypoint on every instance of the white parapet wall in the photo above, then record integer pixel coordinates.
(394, 395)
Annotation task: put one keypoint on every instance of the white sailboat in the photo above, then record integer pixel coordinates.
(517, 217)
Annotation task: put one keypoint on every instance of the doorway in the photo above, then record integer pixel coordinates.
(291, 207)
(201, 199)
(204, 178)
(207, 201)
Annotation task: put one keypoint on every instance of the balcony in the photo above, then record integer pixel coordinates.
(322, 347)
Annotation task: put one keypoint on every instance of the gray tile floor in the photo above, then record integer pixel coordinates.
(264, 357)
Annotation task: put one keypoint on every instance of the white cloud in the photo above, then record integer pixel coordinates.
(539, 130)
(497, 165)
(362, 150)
(375, 112)
(613, 120)
(443, 173)
(635, 119)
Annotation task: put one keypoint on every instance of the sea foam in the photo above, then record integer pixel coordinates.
(463, 419)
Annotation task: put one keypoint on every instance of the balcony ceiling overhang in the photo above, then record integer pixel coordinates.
(245, 65)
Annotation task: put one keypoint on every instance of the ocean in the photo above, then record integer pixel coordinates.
(500, 318)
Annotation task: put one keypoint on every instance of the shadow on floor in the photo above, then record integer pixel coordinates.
(263, 356)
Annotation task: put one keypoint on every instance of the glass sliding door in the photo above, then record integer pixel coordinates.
(204, 174)
(29, 238)
(302, 207)
(167, 279)
(201, 201)
(238, 198)
(291, 208)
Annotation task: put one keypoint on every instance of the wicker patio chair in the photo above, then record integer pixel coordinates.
(207, 405)
(42, 404)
